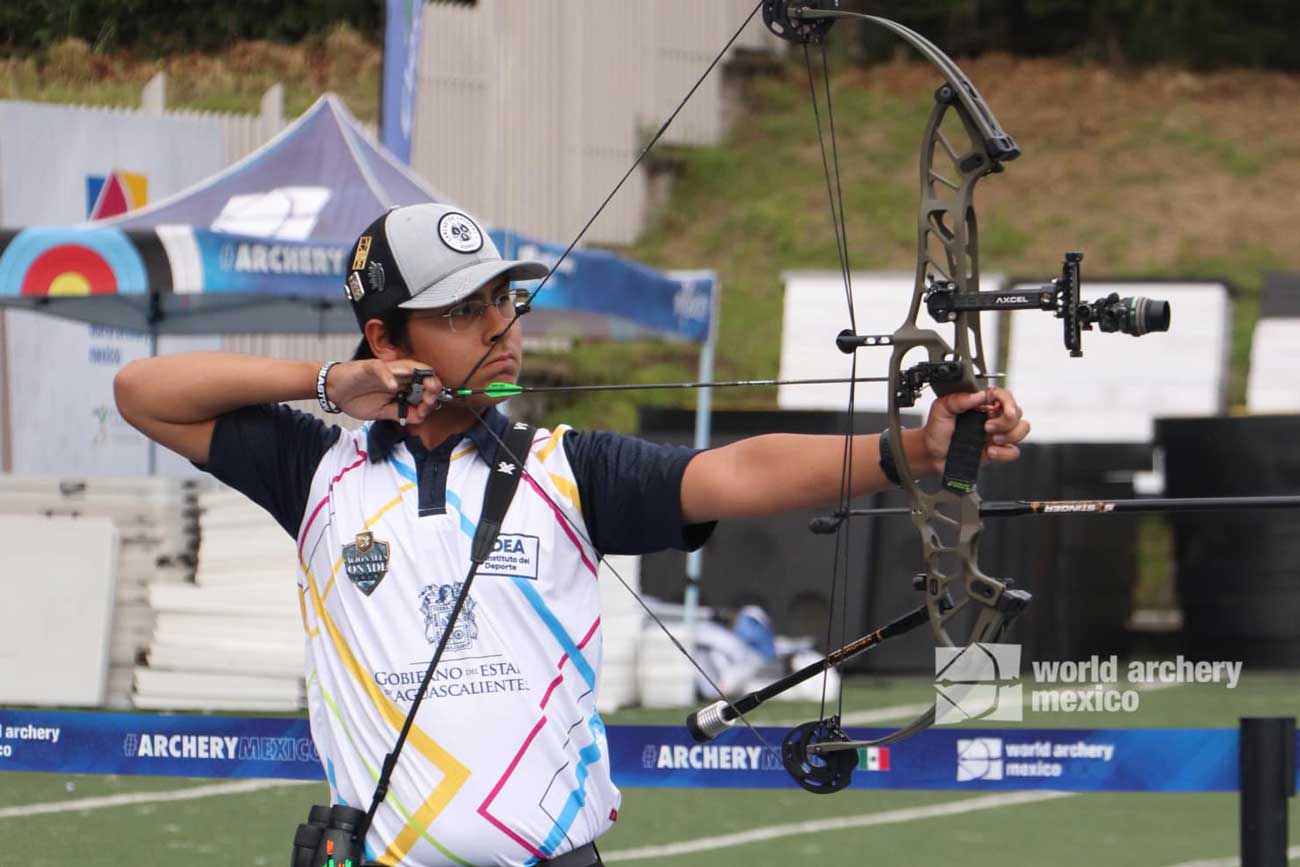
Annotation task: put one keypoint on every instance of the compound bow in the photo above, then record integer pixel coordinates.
(819, 754)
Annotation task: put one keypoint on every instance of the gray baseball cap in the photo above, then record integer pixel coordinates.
(425, 256)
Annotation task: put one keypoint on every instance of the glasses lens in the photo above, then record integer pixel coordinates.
(506, 302)
(463, 316)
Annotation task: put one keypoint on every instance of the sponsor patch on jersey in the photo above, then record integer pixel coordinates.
(366, 560)
(513, 556)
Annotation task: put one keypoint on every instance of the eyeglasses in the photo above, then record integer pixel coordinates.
(466, 314)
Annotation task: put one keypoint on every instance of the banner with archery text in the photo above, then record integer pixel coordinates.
(1077, 760)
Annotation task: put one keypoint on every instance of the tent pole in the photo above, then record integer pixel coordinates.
(703, 428)
(155, 314)
(6, 414)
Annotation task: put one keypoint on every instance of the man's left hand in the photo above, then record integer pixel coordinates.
(1005, 427)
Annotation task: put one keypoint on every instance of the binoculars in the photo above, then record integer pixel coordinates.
(331, 837)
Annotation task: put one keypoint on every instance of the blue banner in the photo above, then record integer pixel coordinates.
(1075, 760)
(629, 300)
(262, 266)
(645, 301)
(401, 74)
(156, 745)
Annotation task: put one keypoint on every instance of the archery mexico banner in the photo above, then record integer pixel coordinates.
(1078, 760)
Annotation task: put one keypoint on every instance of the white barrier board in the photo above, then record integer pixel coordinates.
(816, 311)
(63, 417)
(49, 155)
(58, 579)
(1122, 384)
(1274, 359)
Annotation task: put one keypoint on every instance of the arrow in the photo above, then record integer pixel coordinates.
(509, 389)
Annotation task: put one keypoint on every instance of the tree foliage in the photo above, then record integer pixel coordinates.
(157, 27)
(1201, 34)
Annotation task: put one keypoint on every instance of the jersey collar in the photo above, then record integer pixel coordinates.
(384, 436)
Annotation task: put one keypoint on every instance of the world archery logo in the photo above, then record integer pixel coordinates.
(366, 560)
(979, 759)
(115, 193)
(977, 682)
(436, 604)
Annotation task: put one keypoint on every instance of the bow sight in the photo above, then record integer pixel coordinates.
(945, 302)
(1136, 316)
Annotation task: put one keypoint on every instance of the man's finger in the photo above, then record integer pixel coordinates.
(1005, 402)
(1000, 454)
(963, 402)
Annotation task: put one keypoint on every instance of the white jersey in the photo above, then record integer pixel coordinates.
(507, 761)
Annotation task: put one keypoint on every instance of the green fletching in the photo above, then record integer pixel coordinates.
(503, 389)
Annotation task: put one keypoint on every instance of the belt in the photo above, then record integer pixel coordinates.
(583, 856)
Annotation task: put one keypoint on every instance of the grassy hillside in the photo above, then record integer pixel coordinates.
(1158, 173)
(342, 61)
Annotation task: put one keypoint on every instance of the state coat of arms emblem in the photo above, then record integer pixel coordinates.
(436, 604)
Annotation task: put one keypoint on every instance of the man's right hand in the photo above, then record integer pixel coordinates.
(368, 389)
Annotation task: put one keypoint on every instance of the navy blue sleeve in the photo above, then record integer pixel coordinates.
(269, 453)
(631, 492)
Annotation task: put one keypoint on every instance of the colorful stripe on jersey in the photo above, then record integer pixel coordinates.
(572, 651)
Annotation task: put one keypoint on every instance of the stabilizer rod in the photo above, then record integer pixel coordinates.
(1015, 508)
(709, 722)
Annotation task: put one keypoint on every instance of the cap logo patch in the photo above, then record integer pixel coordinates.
(363, 253)
(460, 233)
(375, 276)
(355, 291)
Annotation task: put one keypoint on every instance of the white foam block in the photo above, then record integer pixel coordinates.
(816, 311)
(1122, 384)
(58, 580)
(1274, 359)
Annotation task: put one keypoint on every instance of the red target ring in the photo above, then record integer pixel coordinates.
(69, 269)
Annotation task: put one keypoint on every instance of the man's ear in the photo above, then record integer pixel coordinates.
(380, 346)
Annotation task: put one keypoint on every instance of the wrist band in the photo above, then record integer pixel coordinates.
(887, 465)
(325, 403)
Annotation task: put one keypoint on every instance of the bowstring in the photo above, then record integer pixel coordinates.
(601, 560)
(846, 487)
(842, 553)
(519, 311)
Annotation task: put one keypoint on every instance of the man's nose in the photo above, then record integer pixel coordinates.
(495, 323)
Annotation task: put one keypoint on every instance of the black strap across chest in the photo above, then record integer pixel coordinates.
(503, 479)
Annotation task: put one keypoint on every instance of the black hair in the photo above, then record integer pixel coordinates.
(396, 322)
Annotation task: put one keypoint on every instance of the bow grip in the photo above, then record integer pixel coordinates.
(961, 470)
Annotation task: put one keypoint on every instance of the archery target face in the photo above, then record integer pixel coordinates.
(69, 269)
(54, 262)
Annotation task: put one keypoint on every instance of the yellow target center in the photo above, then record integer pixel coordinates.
(70, 283)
